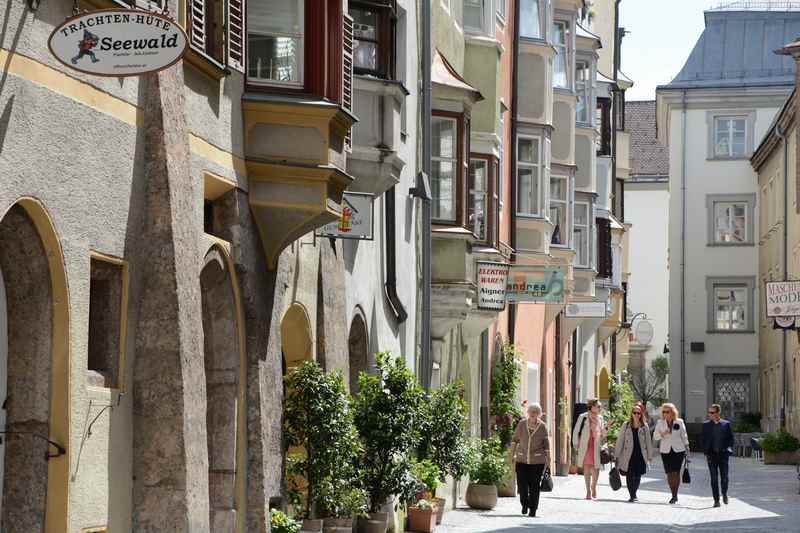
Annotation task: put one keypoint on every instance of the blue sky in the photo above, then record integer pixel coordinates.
(663, 33)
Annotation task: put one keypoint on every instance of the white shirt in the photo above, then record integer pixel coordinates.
(677, 440)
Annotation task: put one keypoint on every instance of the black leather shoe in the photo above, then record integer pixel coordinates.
(725, 499)
(532, 514)
(524, 509)
(674, 500)
(716, 503)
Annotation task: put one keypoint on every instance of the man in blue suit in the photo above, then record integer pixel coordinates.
(718, 447)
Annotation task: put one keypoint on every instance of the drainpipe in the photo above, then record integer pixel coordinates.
(512, 308)
(390, 286)
(615, 102)
(422, 191)
(683, 253)
(782, 135)
(559, 386)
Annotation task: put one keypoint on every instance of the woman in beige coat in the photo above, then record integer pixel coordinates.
(587, 438)
(530, 451)
(634, 449)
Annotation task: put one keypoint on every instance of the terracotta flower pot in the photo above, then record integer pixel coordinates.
(312, 525)
(440, 505)
(781, 458)
(376, 523)
(338, 525)
(421, 520)
(481, 496)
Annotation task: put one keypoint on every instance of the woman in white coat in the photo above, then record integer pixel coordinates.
(587, 439)
(673, 441)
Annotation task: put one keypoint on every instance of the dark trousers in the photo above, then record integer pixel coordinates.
(632, 481)
(718, 467)
(529, 479)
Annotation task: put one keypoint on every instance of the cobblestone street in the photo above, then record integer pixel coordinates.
(762, 498)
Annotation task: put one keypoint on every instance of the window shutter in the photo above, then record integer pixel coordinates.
(347, 70)
(197, 24)
(235, 34)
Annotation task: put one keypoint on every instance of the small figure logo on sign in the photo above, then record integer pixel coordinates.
(85, 46)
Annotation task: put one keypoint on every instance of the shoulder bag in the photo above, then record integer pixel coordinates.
(687, 477)
(614, 479)
(547, 481)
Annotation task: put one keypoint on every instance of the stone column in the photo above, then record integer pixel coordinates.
(170, 458)
(332, 347)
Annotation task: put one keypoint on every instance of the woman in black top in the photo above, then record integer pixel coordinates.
(634, 449)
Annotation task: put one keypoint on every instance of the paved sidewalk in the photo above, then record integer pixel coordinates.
(762, 498)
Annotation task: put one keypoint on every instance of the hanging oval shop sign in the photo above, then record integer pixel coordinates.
(118, 42)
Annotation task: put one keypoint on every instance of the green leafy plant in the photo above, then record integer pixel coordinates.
(621, 401)
(387, 414)
(324, 448)
(649, 387)
(443, 428)
(489, 466)
(428, 474)
(423, 504)
(747, 423)
(503, 391)
(780, 441)
(281, 523)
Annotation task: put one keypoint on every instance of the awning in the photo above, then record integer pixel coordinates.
(444, 75)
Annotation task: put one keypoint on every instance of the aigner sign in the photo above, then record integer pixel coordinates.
(118, 42)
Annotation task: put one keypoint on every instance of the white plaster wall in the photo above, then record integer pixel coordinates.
(365, 261)
(647, 209)
(706, 177)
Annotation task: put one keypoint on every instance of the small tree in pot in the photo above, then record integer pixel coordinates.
(323, 443)
(489, 467)
(387, 414)
(503, 406)
(780, 448)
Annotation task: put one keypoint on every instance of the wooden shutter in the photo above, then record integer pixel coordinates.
(347, 69)
(197, 24)
(235, 34)
(605, 259)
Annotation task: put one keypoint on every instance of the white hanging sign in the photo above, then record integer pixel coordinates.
(118, 42)
(783, 298)
(356, 221)
(491, 278)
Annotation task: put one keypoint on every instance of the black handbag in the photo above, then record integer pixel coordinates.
(687, 477)
(614, 479)
(547, 481)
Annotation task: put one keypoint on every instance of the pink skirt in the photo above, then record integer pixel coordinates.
(589, 458)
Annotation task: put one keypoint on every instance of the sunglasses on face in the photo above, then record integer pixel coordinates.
(637, 413)
(666, 413)
(712, 412)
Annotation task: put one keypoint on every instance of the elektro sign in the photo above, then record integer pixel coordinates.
(118, 42)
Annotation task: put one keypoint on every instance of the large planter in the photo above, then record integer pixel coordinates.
(312, 525)
(508, 488)
(375, 523)
(440, 505)
(481, 496)
(781, 458)
(337, 525)
(421, 520)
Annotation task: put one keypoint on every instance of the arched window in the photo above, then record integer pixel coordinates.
(358, 346)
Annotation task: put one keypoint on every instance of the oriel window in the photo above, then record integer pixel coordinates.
(373, 38)
(275, 37)
(444, 168)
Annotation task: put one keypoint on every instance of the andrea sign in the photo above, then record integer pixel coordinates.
(491, 285)
(535, 284)
(118, 42)
(783, 298)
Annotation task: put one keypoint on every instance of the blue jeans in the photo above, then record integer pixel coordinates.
(718, 468)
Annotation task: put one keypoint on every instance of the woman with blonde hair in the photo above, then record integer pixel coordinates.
(587, 439)
(530, 450)
(673, 441)
(634, 449)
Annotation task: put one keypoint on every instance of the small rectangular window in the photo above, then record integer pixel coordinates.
(444, 168)
(730, 136)
(530, 23)
(561, 60)
(730, 222)
(106, 334)
(582, 234)
(478, 193)
(730, 307)
(474, 15)
(529, 170)
(559, 205)
(583, 89)
(275, 38)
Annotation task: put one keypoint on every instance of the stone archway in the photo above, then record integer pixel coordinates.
(222, 357)
(296, 340)
(358, 348)
(37, 396)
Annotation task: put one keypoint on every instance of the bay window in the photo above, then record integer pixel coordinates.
(478, 196)
(275, 38)
(529, 176)
(474, 11)
(444, 168)
(561, 60)
(583, 90)
(373, 46)
(582, 235)
(530, 23)
(559, 210)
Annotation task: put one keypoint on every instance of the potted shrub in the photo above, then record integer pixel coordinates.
(488, 468)
(387, 414)
(281, 523)
(503, 406)
(422, 516)
(429, 476)
(343, 505)
(444, 444)
(322, 440)
(780, 448)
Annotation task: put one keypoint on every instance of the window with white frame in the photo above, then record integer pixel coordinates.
(475, 15)
(582, 235)
(478, 191)
(501, 128)
(730, 307)
(530, 19)
(559, 210)
(444, 168)
(730, 222)
(730, 134)
(529, 176)
(561, 60)
(583, 90)
(275, 41)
